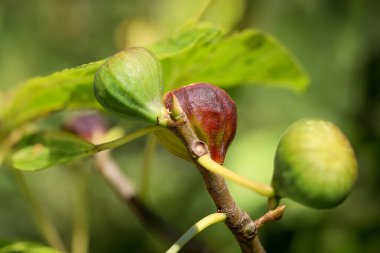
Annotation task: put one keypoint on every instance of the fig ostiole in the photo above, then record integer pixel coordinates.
(314, 165)
(130, 84)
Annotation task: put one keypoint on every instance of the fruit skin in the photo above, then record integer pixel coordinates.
(211, 113)
(315, 164)
(130, 84)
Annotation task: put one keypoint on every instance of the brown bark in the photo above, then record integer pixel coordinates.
(238, 221)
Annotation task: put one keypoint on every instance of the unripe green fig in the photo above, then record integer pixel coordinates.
(211, 114)
(315, 164)
(130, 84)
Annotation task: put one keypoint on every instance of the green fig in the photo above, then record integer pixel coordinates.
(211, 114)
(315, 164)
(130, 84)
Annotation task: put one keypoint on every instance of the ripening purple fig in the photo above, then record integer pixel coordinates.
(211, 114)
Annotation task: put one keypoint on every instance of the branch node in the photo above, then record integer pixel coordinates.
(271, 215)
(198, 148)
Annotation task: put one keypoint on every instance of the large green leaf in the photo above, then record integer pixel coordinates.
(189, 36)
(68, 89)
(42, 150)
(226, 13)
(249, 57)
(195, 53)
(25, 247)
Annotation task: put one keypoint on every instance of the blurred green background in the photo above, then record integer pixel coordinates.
(338, 42)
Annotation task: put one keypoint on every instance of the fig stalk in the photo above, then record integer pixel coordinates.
(125, 139)
(211, 165)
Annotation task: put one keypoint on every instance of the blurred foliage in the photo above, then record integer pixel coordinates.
(337, 42)
(25, 247)
(50, 148)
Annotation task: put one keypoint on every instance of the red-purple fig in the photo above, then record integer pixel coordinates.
(86, 125)
(211, 114)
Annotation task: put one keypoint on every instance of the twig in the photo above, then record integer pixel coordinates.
(238, 221)
(241, 225)
(80, 236)
(271, 215)
(148, 160)
(123, 187)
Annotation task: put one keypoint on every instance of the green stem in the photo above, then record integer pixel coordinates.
(46, 228)
(196, 229)
(8, 142)
(211, 165)
(148, 160)
(80, 235)
(125, 139)
(202, 10)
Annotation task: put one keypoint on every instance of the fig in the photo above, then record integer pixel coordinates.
(130, 84)
(86, 126)
(211, 114)
(315, 164)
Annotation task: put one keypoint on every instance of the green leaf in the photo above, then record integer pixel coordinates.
(226, 13)
(67, 89)
(25, 247)
(189, 36)
(249, 57)
(195, 53)
(39, 151)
